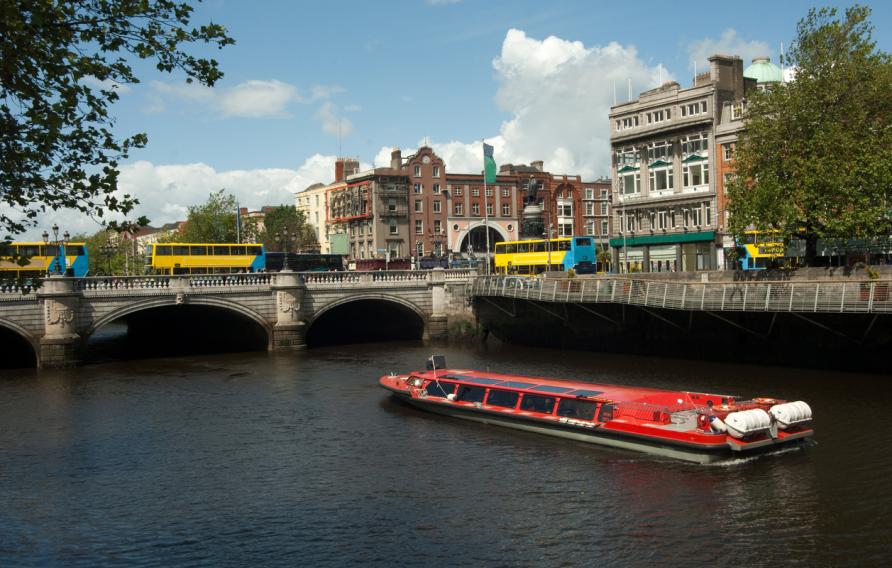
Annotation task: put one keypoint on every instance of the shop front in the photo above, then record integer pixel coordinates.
(672, 252)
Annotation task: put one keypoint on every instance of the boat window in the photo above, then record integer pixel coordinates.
(517, 385)
(536, 403)
(471, 394)
(606, 414)
(439, 388)
(579, 409)
(507, 399)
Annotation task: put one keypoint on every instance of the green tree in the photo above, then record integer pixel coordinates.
(816, 155)
(287, 217)
(212, 222)
(58, 148)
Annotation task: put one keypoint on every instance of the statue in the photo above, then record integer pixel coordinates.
(532, 191)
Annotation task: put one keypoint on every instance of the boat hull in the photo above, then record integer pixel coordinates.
(595, 434)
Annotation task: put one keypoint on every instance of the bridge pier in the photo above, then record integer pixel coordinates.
(290, 330)
(60, 344)
(438, 322)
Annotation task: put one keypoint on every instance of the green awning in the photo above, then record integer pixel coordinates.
(693, 158)
(659, 164)
(663, 239)
(625, 169)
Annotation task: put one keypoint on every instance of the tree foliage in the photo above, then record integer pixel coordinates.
(816, 155)
(211, 222)
(60, 64)
(287, 218)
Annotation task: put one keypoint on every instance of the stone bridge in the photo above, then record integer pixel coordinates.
(58, 318)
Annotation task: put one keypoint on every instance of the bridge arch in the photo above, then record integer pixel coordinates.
(26, 338)
(371, 296)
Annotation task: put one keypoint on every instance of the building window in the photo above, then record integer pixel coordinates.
(489, 192)
(662, 219)
(589, 208)
(438, 226)
(457, 190)
(489, 209)
(436, 189)
(661, 179)
(419, 227)
(361, 228)
(419, 249)
(475, 209)
(659, 116)
(605, 208)
(603, 194)
(696, 174)
(727, 152)
(565, 229)
(589, 193)
(475, 192)
(417, 188)
(590, 228)
(693, 109)
(660, 150)
(694, 144)
(393, 227)
(417, 171)
(437, 206)
(458, 209)
(630, 183)
(628, 157)
(728, 179)
(707, 212)
(436, 173)
(565, 210)
(506, 210)
(391, 204)
(605, 228)
(418, 205)
(506, 192)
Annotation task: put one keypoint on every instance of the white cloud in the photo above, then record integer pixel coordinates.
(558, 94)
(331, 120)
(730, 43)
(250, 99)
(255, 99)
(107, 84)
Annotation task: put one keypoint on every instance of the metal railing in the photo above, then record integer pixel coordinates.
(867, 296)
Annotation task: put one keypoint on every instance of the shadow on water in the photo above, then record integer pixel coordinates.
(365, 321)
(17, 352)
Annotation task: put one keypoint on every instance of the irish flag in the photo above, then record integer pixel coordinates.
(489, 164)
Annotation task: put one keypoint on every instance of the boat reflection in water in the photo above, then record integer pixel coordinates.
(692, 426)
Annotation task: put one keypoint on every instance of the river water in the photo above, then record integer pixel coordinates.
(283, 459)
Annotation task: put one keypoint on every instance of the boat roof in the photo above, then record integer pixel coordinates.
(574, 388)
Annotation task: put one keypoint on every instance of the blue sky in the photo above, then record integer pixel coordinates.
(534, 78)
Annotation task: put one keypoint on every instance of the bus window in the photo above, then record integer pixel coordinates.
(256, 251)
(220, 250)
(179, 250)
(198, 251)
(511, 249)
(523, 247)
(500, 248)
(239, 250)
(162, 250)
(74, 250)
(29, 250)
(583, 242)
(539, 246)
(562, 245)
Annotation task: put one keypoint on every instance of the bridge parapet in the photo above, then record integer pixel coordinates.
(868, 296)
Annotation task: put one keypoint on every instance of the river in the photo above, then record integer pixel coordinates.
(301, 459)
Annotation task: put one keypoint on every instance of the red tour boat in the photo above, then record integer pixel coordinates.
(688, 425)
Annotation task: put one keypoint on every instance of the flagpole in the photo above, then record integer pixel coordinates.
(485, 209)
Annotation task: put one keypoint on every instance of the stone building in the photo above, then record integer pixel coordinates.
(664, 172)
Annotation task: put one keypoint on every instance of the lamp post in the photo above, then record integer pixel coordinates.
(107, 250)
(284, 238)
(548, 247)
(59, 244)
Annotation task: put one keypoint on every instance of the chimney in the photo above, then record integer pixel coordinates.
(396, 159)
(538, 164)
(339, 169)
(351, 166)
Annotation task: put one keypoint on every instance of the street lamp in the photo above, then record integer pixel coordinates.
(548, 247)
(284, 238)
(59, 244)
(108, 250)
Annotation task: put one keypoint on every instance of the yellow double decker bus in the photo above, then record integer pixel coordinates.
(758, 250)
(204, 258)
(540, 255)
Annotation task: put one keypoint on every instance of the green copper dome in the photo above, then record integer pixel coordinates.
(764, 71)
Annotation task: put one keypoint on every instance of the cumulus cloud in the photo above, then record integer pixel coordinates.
(558, 93)
(254, 99)
(730, 43)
